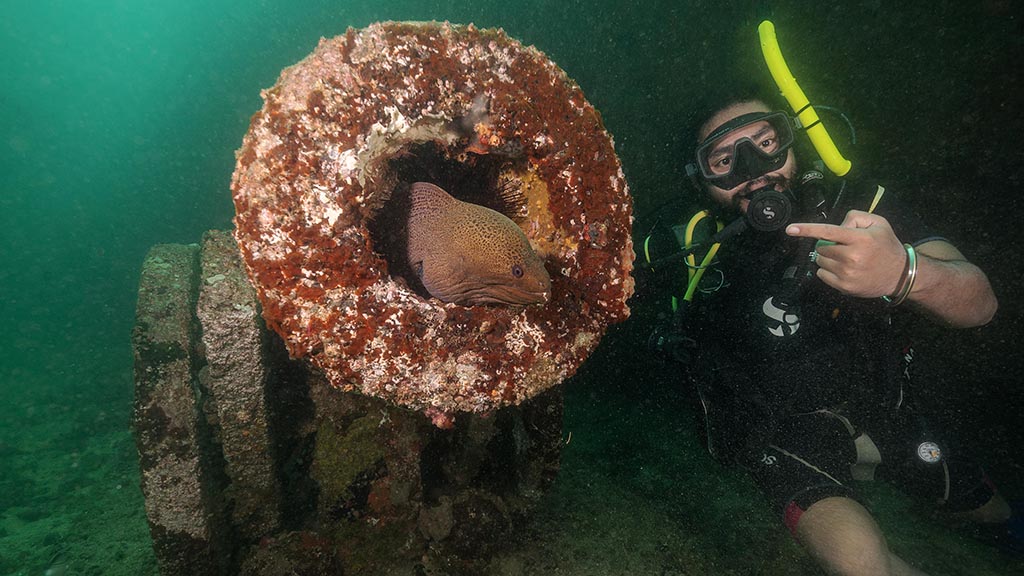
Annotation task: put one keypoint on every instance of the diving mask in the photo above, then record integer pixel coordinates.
(764, 138)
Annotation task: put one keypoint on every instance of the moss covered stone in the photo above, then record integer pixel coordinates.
(345, 462)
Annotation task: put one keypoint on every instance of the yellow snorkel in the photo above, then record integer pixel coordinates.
(801, 105)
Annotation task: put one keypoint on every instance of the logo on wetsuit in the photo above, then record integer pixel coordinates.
(786, 321)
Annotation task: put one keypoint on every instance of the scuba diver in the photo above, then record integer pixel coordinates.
(800, 373)
(787, 329)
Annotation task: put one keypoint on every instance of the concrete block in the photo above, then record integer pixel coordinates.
(179, 479)
(235, 377)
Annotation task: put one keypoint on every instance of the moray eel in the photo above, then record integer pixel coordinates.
(468, 254)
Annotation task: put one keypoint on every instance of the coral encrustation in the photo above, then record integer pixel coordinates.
(316, 169)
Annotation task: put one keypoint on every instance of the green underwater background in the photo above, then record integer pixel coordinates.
(118, 126)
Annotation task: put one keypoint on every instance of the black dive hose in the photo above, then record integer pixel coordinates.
(769, 210)
(795, 277)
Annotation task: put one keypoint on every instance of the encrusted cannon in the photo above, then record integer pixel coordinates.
(303, 404)
(320, 209)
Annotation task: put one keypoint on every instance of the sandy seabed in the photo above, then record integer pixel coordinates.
(636, 495)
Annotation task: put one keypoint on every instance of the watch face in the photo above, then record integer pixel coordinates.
(929, 452)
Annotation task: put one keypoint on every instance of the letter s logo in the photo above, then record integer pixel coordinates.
(787, 322)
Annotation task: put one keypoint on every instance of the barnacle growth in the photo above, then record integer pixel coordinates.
(318, 191)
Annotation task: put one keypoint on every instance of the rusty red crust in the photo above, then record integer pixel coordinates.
(304, 195)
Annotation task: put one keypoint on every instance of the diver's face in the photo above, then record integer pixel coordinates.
(761, 133)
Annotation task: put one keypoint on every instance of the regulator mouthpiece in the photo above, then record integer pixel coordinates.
(769, 210)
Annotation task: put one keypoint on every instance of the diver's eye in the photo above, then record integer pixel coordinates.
(517, 271)
(768, 144)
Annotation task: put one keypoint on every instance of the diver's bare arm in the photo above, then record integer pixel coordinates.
(951, 289)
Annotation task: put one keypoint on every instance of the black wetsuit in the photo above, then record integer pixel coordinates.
(788, 391)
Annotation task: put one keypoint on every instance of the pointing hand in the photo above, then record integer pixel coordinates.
(860, 257)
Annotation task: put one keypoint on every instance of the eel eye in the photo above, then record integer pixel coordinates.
(517, 271)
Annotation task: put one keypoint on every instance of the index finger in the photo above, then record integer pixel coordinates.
(830, 232)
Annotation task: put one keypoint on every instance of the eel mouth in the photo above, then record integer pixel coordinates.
(499, 293)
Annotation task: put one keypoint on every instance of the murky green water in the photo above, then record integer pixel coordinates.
(119, 122)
